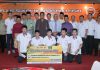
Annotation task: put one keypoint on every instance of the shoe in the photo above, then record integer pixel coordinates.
(13, 51)
(9, 52)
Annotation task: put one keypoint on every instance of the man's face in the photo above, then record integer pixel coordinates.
(48, 17)
(24, 30)
(18, 20)
(74, 33)
(10, 15)
(56, 17)
(89, 16)
(42, 16)
(28, 16)
(81, 19)
(23, 16)
(36, 16)
(63, 33)
(66, 19)
(49, 33)
(37, 34)
(73, 18)
(61, 16)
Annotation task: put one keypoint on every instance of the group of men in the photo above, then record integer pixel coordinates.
(18, 32)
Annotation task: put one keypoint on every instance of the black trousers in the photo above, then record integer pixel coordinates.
(2, 42)
(90, 44)
(97, 42)
(76, 57)
(84, 48)
(10, 42)
(64, 58)
(20, 58)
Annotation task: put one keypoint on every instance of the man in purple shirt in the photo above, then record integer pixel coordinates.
(67, 25)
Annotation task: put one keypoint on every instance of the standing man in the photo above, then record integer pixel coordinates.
(73, 21)
(97, 35)
(9, 22)
(90, 36)
(42, 24)
(55, 25)
(2, 33)
(36, 16)
(23, 16)
(82, 32)
(67, 25)
(61, 17)
(23, 41)
(30, 24)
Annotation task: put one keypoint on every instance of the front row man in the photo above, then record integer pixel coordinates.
(71, 46)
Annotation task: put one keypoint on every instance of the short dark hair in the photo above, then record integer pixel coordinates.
(1, 14)
(49, 14)
(64, 29)
(62, 13)
(81, 16)
(9, 12)
(28, 12)
(65, 15)
(23, 14)
(24, 26)
(49, 30)
(90, 14)
(74, 29)
(18, 16)
(42, 13)
(36, 13)
(37, 31)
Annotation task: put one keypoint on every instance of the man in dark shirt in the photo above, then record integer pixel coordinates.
(42, 24)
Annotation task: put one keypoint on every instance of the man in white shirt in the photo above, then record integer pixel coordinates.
(37, 40)
(82, 32)
(63, 40)
(90, 35)
(49, 40)
(74, 22)
(23, 41)
(97, 35)
(9, 22)
(75, 47)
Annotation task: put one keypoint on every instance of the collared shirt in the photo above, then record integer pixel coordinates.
(61, 21)
(64, 43)
(97, 30)
(17, 28)
(37, 42)
(9, 24)
(82, 26)
(2, 27)
(75, 44)
(90, 25)
(49, 41)
(23, 42)
(30, 24)
(55, 26)
(74, 24)
(68, 26)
